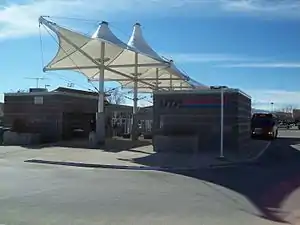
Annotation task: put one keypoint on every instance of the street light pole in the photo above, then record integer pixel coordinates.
(222, 125)
(222, 89)
(272, 106)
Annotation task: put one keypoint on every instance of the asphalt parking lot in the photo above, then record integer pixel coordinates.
(262, 193)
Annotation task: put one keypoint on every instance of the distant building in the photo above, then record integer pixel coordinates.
(253, 110)
(284, 116)
(296, 115)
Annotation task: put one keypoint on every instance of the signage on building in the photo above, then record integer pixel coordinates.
(170, 103)
(191, 103)
(38, 100)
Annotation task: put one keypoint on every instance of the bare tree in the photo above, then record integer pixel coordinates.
(287, 109)
(22, 91)
(18, 91)
(290, 108)
(115, 96)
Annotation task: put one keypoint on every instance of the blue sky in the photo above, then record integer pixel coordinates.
(248, 44)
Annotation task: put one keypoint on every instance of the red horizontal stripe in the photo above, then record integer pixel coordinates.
(201, 101)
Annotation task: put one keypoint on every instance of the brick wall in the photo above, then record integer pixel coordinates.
(58, 113)
(45, 118)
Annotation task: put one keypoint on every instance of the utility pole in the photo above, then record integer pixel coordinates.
(37, 79)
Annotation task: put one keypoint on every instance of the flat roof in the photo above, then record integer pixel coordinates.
(203, 91)
(50, 93)
(58, 91)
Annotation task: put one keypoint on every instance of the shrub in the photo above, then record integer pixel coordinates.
(19, 126)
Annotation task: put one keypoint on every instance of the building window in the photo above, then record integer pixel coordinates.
(38, 100)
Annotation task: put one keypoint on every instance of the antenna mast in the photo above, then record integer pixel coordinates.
(37, 79)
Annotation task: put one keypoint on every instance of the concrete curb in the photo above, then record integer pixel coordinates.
(107, 166)
(252, 160)
(153, 168)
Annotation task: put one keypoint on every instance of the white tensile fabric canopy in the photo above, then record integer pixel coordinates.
(123, 63)
(83, 54)
(165, 78)
(105, 57)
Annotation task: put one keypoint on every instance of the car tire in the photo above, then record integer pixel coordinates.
(273, 136)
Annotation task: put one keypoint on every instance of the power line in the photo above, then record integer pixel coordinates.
(73, 18)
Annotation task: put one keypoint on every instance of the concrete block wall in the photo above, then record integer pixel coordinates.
(202, 116)
(182, 144)
(12, 138)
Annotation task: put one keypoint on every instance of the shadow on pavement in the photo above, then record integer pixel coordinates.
(201, 159)
(267, 183)
(111, 145)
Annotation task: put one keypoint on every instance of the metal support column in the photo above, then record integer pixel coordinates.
(100, 116)
(134, 135)
(156, 79)
(171, 82)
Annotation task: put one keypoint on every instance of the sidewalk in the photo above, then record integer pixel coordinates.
(140, 157)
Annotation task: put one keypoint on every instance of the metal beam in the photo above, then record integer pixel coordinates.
(167, 87)
(157, 65)
(140, 79)
(110, 66)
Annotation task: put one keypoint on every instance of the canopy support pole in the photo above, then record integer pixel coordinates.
(156, 79)
(100, 116)
(171, 82)
(134, 135)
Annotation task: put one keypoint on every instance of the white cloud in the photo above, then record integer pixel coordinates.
(21, 19)
(204, 57)
(271, 6)
(281, 98)
(284, 65)
(238, 5)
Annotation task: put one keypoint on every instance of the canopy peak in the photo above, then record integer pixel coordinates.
(137, 42)
(103, 32)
